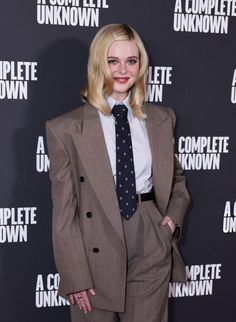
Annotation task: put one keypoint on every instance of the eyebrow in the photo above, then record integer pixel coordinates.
(127, 57)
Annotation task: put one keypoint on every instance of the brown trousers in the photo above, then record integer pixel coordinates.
(149, 267)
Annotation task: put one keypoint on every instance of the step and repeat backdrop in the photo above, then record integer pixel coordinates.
(43, 55)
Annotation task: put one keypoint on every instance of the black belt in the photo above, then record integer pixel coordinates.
(145, 196)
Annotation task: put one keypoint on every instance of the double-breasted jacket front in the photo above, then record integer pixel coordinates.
(88, 237)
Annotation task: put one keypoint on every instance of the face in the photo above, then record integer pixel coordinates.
(123, 61)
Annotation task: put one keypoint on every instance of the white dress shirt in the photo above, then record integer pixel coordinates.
(140, 143)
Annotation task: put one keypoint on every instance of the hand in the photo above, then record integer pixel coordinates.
(167, 220)
(82, 300)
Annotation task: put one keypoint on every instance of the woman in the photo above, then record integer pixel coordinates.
(118, 193)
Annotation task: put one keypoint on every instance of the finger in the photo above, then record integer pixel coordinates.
(79, 304)
(82, 300)
(71, 299)
(77, 297)
(83, 306)
(164, 221)
(91, 291)
(171, 226)
(87, 302)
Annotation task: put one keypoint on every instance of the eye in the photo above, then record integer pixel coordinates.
(132, 61)
(112, 61)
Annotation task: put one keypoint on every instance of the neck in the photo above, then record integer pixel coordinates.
(119, 97)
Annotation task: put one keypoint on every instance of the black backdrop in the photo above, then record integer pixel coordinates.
(43, 53)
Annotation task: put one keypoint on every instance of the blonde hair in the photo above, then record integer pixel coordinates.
(100, 81)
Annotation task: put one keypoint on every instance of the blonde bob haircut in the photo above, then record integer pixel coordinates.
(100, 81)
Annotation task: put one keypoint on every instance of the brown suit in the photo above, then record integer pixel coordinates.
(88, 235)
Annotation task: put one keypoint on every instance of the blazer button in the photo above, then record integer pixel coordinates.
(95, 250)
(81, 179)
(89, 214)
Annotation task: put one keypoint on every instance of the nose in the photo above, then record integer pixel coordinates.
(123, 68)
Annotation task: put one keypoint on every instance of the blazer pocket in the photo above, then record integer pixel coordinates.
(166, 233)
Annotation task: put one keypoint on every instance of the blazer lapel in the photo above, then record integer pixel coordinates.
(96, 162)
(161, 141)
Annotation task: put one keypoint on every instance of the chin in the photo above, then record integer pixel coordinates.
(122, 90)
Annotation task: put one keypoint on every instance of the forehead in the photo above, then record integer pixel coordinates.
(121, 48)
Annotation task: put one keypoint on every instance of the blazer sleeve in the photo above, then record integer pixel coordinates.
(179, 197)
(69, 251)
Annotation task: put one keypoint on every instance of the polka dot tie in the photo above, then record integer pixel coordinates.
(125, 175)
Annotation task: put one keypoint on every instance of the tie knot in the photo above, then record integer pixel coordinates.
(119, 110)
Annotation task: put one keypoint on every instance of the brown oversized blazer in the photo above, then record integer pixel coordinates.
(88, 238)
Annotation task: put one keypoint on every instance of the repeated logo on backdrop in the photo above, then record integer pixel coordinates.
(202, 152)
(42, 160)
(229, 217)
(14, 223)
(14, 78)
(206, 16)
(46, 291)
(194, 153)
(158, 78)
(233, 89)
(83, 13)
(201, 279)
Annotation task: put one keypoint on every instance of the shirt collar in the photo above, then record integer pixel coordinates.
(111, 102)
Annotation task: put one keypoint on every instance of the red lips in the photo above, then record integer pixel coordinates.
(121, 80)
